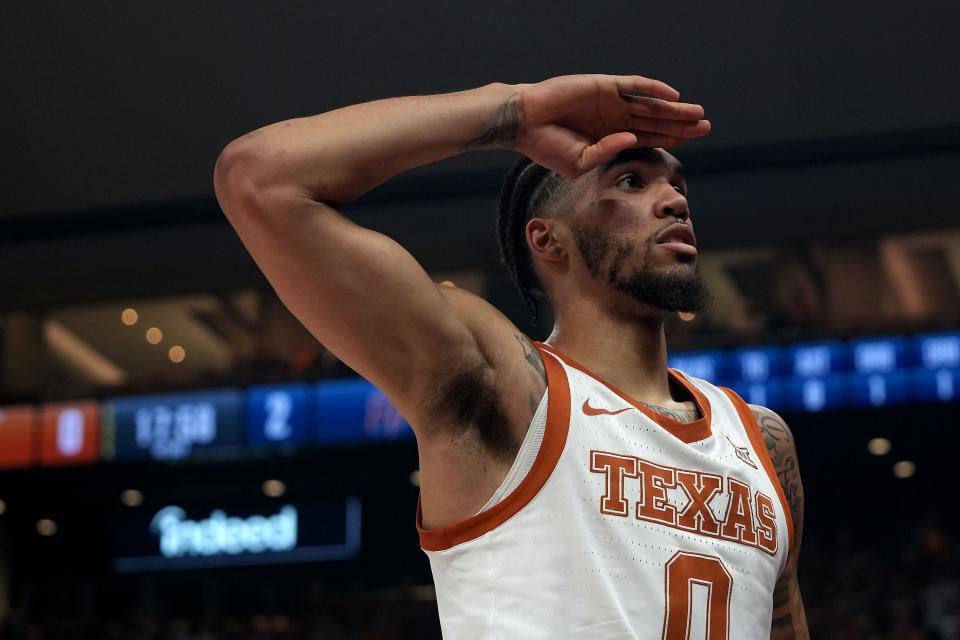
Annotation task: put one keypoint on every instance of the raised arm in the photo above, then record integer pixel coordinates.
(361, 294)
(789, 620)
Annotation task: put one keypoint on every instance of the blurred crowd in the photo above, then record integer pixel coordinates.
(414, 621)
(855, 588)
(398, 620)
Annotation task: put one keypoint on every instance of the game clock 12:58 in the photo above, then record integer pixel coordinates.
(176, 426)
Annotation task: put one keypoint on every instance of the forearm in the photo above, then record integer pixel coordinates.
(789, 619)
(337, 156)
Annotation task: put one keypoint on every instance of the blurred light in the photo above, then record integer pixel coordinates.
(154, 335)
(177, 353)
(129, 317)
(131, 498)
(687, 316)
(281, 624)
(904, 469)
(274, 488)
(415, 478)
(3, 507)
(879, 446)
(46, 527)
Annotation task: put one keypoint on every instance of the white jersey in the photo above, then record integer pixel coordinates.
(620, 523)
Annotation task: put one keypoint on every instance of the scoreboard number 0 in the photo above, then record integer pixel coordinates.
(70, 431)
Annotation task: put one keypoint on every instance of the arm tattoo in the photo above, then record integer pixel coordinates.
(789, 619)
(779, 440)
(503, 129)
(685, 416)
(537, 371)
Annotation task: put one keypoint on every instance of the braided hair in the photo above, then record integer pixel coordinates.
(528, 190)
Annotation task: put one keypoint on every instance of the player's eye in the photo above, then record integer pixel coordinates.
(631, 181)
(679, 189)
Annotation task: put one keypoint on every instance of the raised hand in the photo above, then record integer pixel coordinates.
(573, 124)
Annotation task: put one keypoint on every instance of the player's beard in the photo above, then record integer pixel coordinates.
(676, 289)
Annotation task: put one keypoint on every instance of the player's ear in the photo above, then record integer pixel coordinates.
(545, 239)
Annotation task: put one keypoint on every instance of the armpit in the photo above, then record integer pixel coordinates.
(468, 401)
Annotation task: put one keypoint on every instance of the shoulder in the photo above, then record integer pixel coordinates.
(776, 434)
(783, 452)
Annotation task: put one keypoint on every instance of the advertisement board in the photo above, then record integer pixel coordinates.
(193, 535)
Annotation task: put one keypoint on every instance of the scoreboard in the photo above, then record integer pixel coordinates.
(16, 436)
(278, 414)
(817, 376)
(175, 426)
(228, 423)
(69, 433)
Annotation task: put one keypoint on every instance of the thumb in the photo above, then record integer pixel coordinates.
(604, 150)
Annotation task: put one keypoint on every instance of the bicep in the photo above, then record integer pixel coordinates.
(783, 452)
(789, 619)
(357, 291)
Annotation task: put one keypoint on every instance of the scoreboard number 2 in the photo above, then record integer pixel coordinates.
(279, 408)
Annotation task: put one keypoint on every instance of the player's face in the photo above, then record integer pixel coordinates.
(633, 231)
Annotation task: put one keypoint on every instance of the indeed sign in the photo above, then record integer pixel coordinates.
(221, 534)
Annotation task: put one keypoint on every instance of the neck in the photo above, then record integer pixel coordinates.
(629, 352)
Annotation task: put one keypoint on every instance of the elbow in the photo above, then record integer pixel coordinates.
(237, 181)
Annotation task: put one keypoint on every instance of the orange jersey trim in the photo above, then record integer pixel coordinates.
(554, 440)
(688, 432)
(756, 439)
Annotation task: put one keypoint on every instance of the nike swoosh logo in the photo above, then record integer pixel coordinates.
(593, 411)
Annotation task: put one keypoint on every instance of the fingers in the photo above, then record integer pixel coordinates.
(634, 85)
(673, 128)
(655, 116)
(654, 108)
(604, 150)
(645, 132)
(592, 156)
(658, 140)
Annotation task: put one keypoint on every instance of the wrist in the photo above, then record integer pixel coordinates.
(502, 119)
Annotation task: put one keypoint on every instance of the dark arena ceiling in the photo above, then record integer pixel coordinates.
(110, 104)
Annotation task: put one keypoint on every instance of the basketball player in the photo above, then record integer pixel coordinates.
(575, 488)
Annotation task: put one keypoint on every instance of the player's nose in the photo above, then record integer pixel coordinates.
(672, 203)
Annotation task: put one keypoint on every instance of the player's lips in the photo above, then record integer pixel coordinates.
(678, 237)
